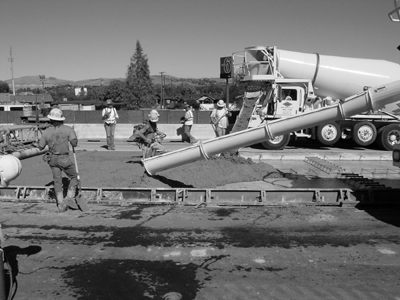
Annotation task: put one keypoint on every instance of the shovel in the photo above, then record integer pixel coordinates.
(81, 203)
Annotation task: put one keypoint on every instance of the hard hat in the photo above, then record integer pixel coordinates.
(153, 116)
(221, 103)
(10, 169)
(56, 114)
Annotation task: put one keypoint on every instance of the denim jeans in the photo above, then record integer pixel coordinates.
(186, 131)
(110, 130)
(58, 164)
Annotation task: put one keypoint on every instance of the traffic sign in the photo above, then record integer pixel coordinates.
(225, 67)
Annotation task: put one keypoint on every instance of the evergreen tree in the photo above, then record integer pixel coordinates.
(4, 87)
(138, 81)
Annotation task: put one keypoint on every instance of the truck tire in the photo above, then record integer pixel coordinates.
(278, 143)
(388, 136)
(328, 134)
(364, 133)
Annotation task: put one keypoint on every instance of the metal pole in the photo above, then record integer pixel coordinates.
(11, 60)
(227, 93)
(162, 90)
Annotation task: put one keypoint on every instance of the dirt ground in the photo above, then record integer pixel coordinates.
(179, 252)
(121, 169)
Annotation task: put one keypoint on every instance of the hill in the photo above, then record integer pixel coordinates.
(34, 81)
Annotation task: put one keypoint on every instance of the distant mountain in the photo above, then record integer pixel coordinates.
(34, 81)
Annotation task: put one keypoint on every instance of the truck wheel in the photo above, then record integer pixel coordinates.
(278, 143)
(364, 133)
(388, 136)
(328, 134)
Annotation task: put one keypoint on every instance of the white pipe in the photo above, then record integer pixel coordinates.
(26, 153)
(374, 98)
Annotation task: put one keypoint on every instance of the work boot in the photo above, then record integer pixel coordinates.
(62, 206)
(70, 199)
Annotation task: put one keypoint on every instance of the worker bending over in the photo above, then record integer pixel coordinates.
(151, 138)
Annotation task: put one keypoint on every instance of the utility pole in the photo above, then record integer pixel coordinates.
(11, 60)
(162, 90)
(42, 79)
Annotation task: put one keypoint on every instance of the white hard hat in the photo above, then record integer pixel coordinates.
(221, 103)
(153, 115)
(56, 114)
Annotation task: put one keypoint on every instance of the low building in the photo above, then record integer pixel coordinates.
(42, 99)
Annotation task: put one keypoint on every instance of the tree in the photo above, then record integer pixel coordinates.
(138, 82)
(4, 87)
(116, 91)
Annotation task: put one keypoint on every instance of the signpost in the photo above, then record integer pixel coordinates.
(226, 72)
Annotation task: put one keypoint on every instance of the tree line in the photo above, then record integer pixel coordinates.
(137, 90)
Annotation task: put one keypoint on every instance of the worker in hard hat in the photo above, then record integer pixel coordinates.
(110, 117)
(58, 137)
(151, 138)
(219, 118)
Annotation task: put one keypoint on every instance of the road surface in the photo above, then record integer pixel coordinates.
(177, 252)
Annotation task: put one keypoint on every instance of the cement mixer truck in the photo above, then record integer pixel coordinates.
(284, 84)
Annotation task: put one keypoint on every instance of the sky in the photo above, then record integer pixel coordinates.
(89, 39)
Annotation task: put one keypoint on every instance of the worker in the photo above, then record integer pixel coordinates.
(317, 103)
(151, 137)
(58, 137)
(328, 101)
(187, 121)
(219, 118)
(110, 116)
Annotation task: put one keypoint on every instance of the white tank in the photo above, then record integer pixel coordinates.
(10, 169)
(335, 76)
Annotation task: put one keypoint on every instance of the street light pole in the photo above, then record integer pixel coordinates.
(42, 79)
(162, 90)
(11, 60)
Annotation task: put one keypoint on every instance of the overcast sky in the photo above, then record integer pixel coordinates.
(87, 39)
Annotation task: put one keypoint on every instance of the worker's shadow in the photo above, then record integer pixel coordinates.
(11, 271)
(181, 133)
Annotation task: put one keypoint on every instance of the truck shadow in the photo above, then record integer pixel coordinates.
(386, 213)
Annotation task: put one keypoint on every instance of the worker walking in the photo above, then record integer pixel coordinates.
(58, 137)
(188, 123)
(110, 116)
(219, 118)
